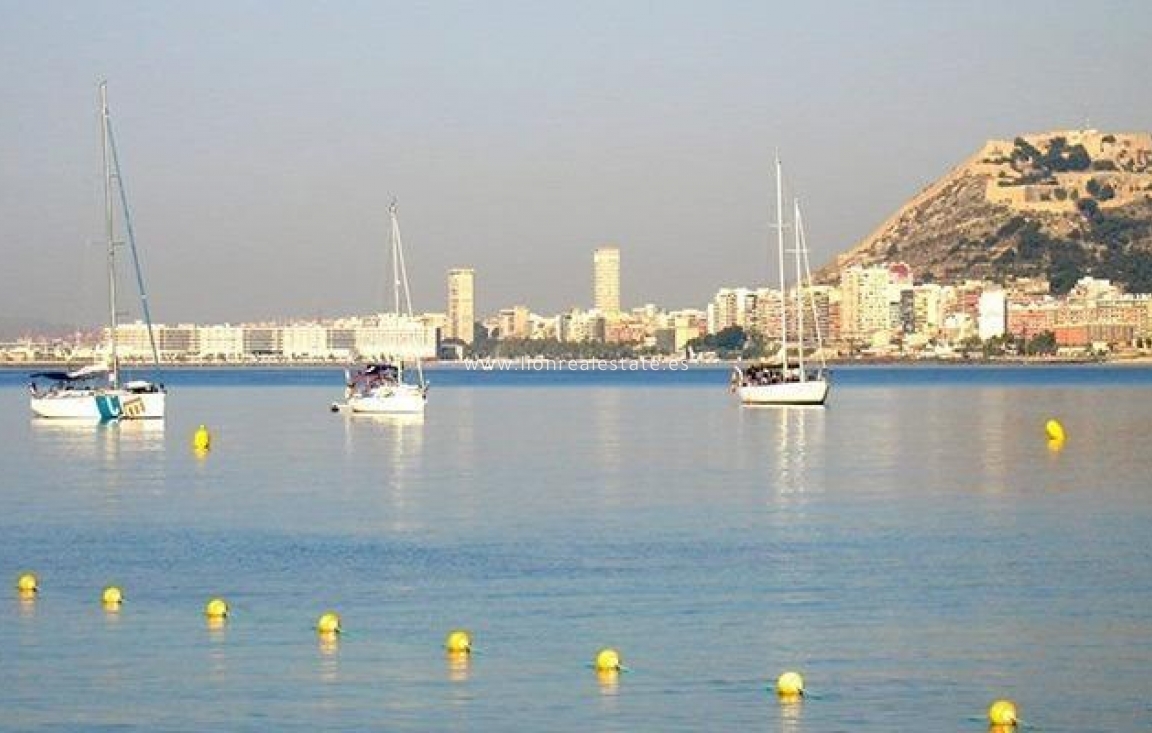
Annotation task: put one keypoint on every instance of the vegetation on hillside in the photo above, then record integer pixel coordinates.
(1107, 245)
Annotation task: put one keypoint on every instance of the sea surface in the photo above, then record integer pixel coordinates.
(916, 549)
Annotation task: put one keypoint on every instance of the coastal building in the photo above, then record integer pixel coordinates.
(993, 318)
(1030, 318)
(304, 341)
(461, 304)
(577, 326)
(392, 336)
(606, 280)
(514, 322)
(731, 307)
(864, 302)
(927, 309)
(687, 325)
(221, 343)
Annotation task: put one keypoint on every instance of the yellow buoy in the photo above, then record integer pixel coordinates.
(1002, 712)
(458, 642)
(608, 660)
(201, 440)
(27, 583)
(216, 608)
(112, 597)
(328, 623)
(790, 684)
(1054, 430)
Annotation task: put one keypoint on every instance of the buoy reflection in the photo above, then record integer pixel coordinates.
(27, 601)
(609, 681)
(459, 666)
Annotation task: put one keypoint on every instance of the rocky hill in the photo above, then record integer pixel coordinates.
(1059, 205)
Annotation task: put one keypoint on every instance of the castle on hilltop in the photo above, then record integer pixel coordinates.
(1052, 171)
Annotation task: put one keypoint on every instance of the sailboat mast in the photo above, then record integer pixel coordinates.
(780, 263)
(402, 279)
(799, 289)
(109, 230)
(395, 236)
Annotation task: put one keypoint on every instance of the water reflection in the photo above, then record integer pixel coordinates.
(93, 435)
(607, 438)
(609, 681)
(790, 709)
(391, 446)
(459, 666)
(328, 644)
(27, 603)
(217, 654)
(794, 436)
(104, 455)
(404, 433)
(607, 416)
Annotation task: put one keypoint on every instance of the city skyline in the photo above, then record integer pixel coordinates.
(515, 137)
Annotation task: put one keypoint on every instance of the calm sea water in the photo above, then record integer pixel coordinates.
(915, 549)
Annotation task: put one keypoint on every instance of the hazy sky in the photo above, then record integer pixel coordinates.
(261, 141)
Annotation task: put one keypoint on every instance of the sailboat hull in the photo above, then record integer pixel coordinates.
(405, 399)
(812, 392)
(102, 404)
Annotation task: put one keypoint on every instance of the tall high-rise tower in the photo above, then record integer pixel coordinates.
(606, 280)
(461, 303)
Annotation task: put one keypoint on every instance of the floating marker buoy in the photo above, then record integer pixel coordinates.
(608, 660)
(458, 642)
(1054, 430)
(112, 597)
(201, 440)
(1002, 712)
(328, 623)
(216, 608)
(790, 684)
(27, 583)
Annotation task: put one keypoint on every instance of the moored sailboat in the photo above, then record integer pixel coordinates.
(384, 388)
(96, 391)
(791, 378)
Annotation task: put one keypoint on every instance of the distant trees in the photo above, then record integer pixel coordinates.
(1042, 344)
(1058, 158)
(731, 342)
(1100, 191)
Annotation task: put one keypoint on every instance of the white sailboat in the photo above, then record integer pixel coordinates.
(382, 388)
(96, 391)
(790, 379)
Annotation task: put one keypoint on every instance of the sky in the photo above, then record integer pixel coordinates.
(261, 142)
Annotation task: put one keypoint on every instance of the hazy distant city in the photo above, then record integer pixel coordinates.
(874, 312)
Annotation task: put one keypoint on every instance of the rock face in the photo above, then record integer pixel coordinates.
(1058, 205)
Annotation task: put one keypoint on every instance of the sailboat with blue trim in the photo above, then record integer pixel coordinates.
(96, 391)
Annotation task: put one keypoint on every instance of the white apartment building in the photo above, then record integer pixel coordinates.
(993, 314)
(864, 304)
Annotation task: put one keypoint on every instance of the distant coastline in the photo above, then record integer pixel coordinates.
(1142, 360)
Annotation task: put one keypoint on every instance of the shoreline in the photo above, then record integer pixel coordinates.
(511, 363)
